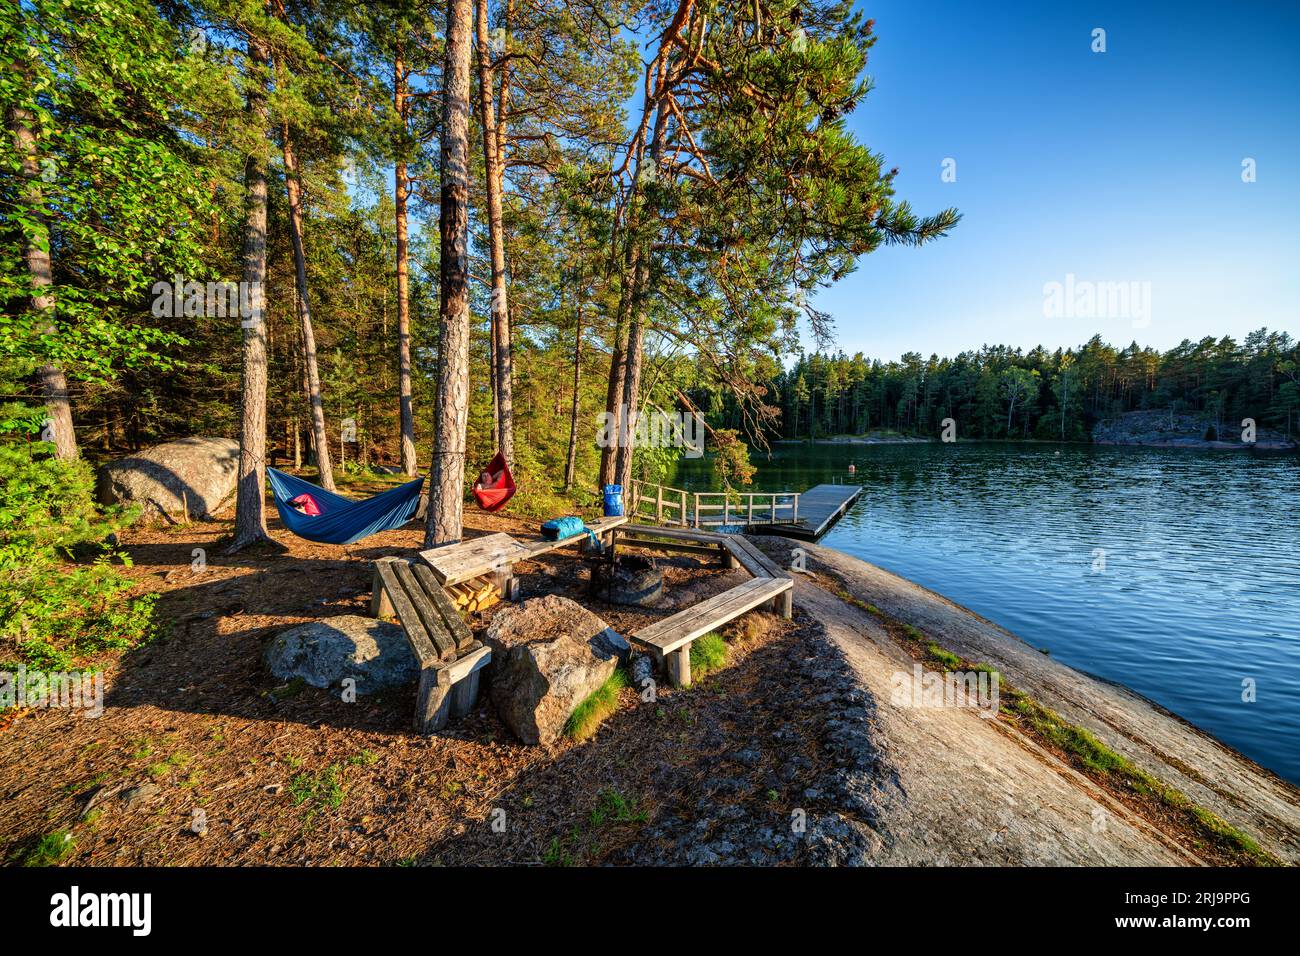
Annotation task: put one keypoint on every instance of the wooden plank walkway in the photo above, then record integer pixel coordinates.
(819, 508)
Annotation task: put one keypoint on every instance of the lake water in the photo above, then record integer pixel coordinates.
(1175, 572)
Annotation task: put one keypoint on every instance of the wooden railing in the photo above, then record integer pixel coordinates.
(700, 509)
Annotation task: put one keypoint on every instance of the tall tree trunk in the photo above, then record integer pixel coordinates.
(36, 254)
(640, 289)
(494, 165)
(617, 369)
(250, 502)
(632, 374)
(571, 464)
(451, 416)
(293, 185)
(401, 190)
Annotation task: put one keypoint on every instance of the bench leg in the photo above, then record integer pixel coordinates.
(506, 583)
(433, 701)
(464, 695)
(679, 666)
(380, 604)
(785, 604)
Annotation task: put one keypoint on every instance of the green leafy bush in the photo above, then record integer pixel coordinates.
(61, 595)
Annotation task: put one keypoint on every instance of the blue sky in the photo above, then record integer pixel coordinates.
(1118, 166)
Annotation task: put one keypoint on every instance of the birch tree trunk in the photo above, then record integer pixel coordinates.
(293, 186)
(250, 502)
(401, 191)
(494, 165)
(36, 255)
(451, 415)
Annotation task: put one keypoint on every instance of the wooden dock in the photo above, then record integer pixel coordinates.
(819, 508)
(806, 515)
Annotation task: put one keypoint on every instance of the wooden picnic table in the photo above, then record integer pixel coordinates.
(454, 563)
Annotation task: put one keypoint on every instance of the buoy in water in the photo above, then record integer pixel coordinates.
(853, 469)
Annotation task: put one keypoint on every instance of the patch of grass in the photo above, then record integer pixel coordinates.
(557, 854)
(176, 761)
(286, 691)
(320, 791)
(613, 807)
(708, 654)
(1074, 740)
(50, 848)
(1097, 757)
(944, 658)
(366, 758)
(1229, 834)
(599, 705)
(72, 789)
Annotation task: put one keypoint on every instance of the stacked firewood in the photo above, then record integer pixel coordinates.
(477, 595)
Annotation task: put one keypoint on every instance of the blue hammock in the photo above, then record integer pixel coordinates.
(342, 520)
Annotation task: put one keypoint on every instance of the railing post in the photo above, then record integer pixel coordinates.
(773, 514)
(682, 516)
(726, 508)
(795, 519)
(696, 502)
(659, 504)
(749, 518)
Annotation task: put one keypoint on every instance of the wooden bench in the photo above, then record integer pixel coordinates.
(602, 528)
(449, 657)
(658, 538)
(761, 566)
(670, 640)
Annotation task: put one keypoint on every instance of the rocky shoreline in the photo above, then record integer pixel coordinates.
(1163, 429)
(945, 785)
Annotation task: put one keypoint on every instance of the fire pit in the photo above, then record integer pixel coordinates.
(628, 579)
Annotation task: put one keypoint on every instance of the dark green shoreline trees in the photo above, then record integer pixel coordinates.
(1061, 394)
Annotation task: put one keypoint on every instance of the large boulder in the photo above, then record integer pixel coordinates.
(548, 655)
(195, 473)
(324, 653)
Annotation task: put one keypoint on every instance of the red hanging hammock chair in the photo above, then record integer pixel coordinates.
(494, 497)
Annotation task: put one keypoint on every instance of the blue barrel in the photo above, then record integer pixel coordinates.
(613, 501)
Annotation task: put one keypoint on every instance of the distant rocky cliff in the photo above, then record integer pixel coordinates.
(1163, 428)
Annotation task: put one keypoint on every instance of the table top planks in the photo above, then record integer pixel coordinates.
(454, 563)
